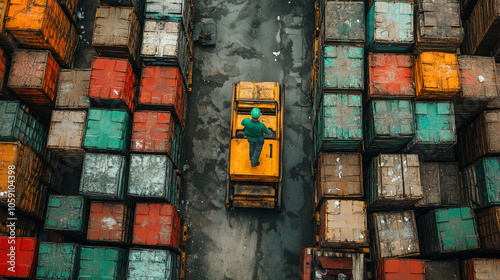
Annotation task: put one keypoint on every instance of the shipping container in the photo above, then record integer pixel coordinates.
(390, 75)
(394, 181)
(344, 22)
(435, 131)
(72, 92)
(450, 230)
(104, 176)
(102, 263)
(112, 83)
(178, 148)
(151, 264)
(69, 7)
(138, 6)
(495, 104)
(481, 269)
(43, 24)
(331, 264)
(390, 26)
(488, 224)
(466, 7)
(442, 270)
(150, 177)
(394, 234)
(399, 269)
(437, 76)
(67, 214)
(7, 41)
(107, 130)
(440, 184)
(25, 226)
(66, 133)
(58, 261)
(180, 10)
(24, 251)
(13, 122)
(4, 67)
(157, 224)
(152, 132)
(341, 68)
(481, 29)
(481, 183)
(33, 77)
(110, 222)
(117, 33)
(388, 126)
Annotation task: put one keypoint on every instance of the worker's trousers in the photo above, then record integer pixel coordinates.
(255, 150)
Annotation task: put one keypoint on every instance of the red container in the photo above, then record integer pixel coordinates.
(25, 251)
(306, 259)
(157, 224)
(390, 76)
(112, 83)
(153, 132)
(110, 222)
(400, 269)
(162, 88)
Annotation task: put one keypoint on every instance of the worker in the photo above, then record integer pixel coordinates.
(254, 131)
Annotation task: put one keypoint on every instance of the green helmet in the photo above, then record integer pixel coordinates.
(255, 113)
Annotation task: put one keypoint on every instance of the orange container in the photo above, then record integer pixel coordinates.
(109, 222)
(43, 24)
(481, 269)
(436, 76)
(7, 41)
(153, 132)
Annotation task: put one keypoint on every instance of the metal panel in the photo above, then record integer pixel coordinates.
(342, 68)
(390, 76)
(72, 92)
(407, 269)
(66, 213)
(440, 183)
(344, 22)
(437, 76)
(102, 263)
(107, 131)
(147, 264)
(153, 132)
(157, 224)
(109, 222)
(443, 270)
(481, 269)
(150, 176)
(103, 176)
(66, 132)
(488, 224)
(58, 261)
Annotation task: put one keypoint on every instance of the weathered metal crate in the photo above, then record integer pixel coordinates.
(107, 130)
(117, 32)
(438, 25)
(33, 77)
(13, 122)
(25, 257)
(394, 181)
(408, 269)
(390, 26)
(104, 176)
(180, 10)
(66, 133)
(344, 22)
(333, 264)
(435, 131)
(58, 260)
(150, 177)
(138, 6)
(390, 75)
(481, 29)
(488, 224)
(67, 213)
(388, 126)
(466, 7)
(338, 125)
(72, 92)
(436, 76)
(449, 230)
(440, 184)
(112, 83)
(110, 222)
(157, 224)
(394, 235)
(7, 41)
(481, 269)
(495, 104)
(164, 43)
(481, 183)
(178, 148)
(149, 264)
(43, 24)
(342, 224)
(102, 263)
(69, 7)
(341, 68)
(153, 132)
(442, 269)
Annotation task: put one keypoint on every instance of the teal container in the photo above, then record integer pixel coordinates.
(67, 213)
(344, 22)
(178, 147)
(481, 182)
(104, 176)
(388, 126)
(435, 130)
(390, 26)
(450, 230)
(149, 264)
(341, 69)
(58, 261)
(150, 177)
(338, 124)
(102, 263)
(107, 130)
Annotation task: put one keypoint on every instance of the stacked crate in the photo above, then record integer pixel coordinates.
(481, 30)
(18, 258)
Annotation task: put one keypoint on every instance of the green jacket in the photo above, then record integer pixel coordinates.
(254, 129)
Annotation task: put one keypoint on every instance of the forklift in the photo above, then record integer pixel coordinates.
(259, 186)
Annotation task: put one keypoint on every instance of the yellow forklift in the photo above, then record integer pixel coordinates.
(259, 186)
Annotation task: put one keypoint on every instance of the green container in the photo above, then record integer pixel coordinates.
(148, 264)
(68, 213)
(341, 68)
(102, 263)
(107, 130)
(450, 230)
(58, 261)
(481, 182)
(178, 147)
(388, 126)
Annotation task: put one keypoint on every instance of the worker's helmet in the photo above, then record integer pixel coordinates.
(255, 113)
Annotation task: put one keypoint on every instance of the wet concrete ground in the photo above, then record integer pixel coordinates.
(257, 40)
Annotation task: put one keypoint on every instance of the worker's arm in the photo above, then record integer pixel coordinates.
(266, 130)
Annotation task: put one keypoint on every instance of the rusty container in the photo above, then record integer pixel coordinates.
(72, 91)
(481, 183)
(112, 83)
(440, 184)
(66, 133)
(342, 224)
(25, 257)
(394, 235)
(7, 41)
(437, 76)
(479, 87)
(394, 181)
(153, 132)
(33, 77)
(117, 32)
(480, 269)
(67, 214)
(407, 269)
(495, 104)
(341, 68)
(157, 224)
(332, 264)
(69, 7)
(344, 22)
(488, 224)
(390, 75)
(58, 260)
(110, 222)
(150, 177)
(339, 175)
(481, 29)
(442, 269)
(138, 6)
(43, 24)
(180, 10)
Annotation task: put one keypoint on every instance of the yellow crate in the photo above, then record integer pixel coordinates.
(436, 76)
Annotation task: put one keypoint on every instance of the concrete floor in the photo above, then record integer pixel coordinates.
(257, 40)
